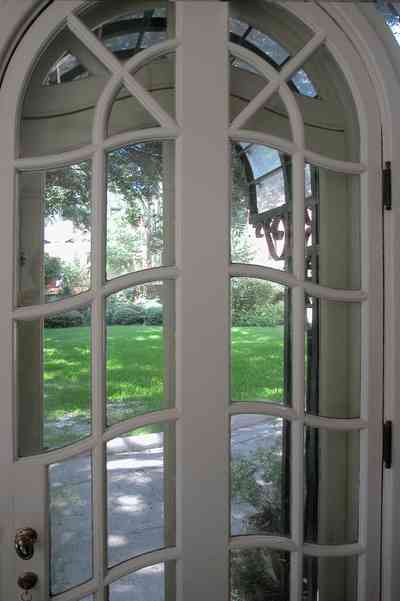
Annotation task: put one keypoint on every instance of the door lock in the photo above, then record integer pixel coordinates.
(25, 539)
(27, 581)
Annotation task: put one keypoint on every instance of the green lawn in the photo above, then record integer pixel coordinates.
(135, 374)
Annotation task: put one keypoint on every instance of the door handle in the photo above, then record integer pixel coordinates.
(25, 539)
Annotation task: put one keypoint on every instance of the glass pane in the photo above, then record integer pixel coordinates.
(128, 114)
(267, 46)
(272, 118)
(333, 228)
(275, 36)
(332, 474)
(139, 345)
(303, 84)
(141, 492)
(155, 583)
(126, 30)
(158, 78)
(60, 98)
(53, 380)
(259, 574)
(71, 528)
(54, 211)
(260, 475)
(330, 578)
(89, 598)
(331, 120)
(67, 68)
(273, 29)
(139, 207)
(333, 358)
(260, 341)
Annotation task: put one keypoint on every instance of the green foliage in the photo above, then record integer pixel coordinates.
(257, 480)
(67, 194)
(154, 315)
(127, 314)
(256, 303)
(240, 244)
(135, 236)
(267, 316)
(53, 268)
(260, 574)
(69, 319)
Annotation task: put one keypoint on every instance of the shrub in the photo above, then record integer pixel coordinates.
(154, 315)
(127, 314)
(65, 320)
(256, 303)
(264, 316)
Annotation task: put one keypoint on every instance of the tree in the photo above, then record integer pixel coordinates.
(53, 269)
(67, 195)
(135, 229)
(136, 205)
(240, 243)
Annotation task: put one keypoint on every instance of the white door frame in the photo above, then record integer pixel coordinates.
(191, 274)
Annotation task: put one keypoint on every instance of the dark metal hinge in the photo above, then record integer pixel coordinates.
(387, 186)
(387, 444)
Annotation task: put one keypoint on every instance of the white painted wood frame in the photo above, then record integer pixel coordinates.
(203, 409)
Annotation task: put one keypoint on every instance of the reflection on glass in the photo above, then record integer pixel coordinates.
(271, 50)
(333, 228)
(139, 205)
(272, 118)
(260, 341)
(89, 598)
(127, 113)
(330, 578)
(129, 33)
(53, 380)
(260, 475)
(333, 358)
(67, 68)
(138, 339)
(71, 529)
(260, 206)
(158, 78)
(331, 120)
(155, 583)
(140, 492)
(332, 473)
(54, 233)
(60, 98)
(258, 574)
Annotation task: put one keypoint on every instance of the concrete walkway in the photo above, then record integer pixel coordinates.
(135, 468)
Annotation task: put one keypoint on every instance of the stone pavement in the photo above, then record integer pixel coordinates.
(135, 490)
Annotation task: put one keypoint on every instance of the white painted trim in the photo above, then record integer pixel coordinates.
(138, 563)
(271, 542)
(6, 165)
(333, 550)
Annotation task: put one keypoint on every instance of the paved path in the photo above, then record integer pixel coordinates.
(136, 506)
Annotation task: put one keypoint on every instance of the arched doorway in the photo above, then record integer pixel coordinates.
(170, 440)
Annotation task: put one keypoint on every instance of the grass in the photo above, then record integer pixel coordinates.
(135, 369)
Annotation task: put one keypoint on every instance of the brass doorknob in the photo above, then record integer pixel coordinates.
(25, 539)
(27, 581)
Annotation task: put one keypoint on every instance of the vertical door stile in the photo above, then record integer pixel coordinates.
(203, 300)
(298, 396)
(98, 362)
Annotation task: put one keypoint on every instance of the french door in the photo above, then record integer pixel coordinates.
(190, 307)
